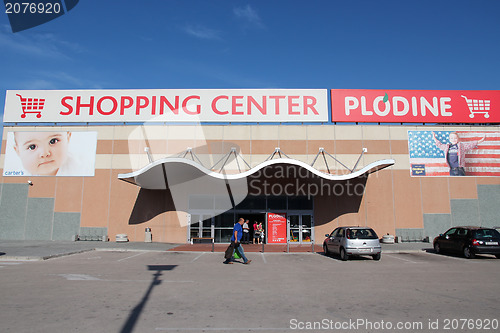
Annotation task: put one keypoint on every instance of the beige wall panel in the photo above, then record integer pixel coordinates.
(315, 132)
(265, 132)
(347, 160)
(43, 187)
(105, 147)
(124, 132)
(370, 158)
(293, 147)
(352, 219)
(375, 132)
(103, 132)
(182, 133)
(213, 132)
(407, 200)
(264, 147)
(435, 195)
(69, 194)
(313, 147)
(16, 180)
(463, 188)
(96, 200)
(292, 132)
(401, 132)
(378, 202)
(402, 162)
(120, 146)
(399, 147)
(348, 146)
(244, 146)
(176, 227)
(235, 132)
(103, 161)
(348, 132)
(121, 203)
(378, 147)
(4, 146)
(178, 146)
(488, 180)
(154, 132)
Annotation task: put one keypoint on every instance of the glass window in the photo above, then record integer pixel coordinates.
(276, 203)
(300, 203)
(450, 232)
(252, 203)
(225, 220)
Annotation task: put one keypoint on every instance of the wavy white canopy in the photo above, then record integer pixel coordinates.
(168, 172)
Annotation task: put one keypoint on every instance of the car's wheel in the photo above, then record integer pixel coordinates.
(468, 253)
(343, 255)
(377, 256)
(437, 247)
(325, 249)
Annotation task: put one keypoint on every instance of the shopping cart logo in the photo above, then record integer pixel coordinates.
(32, 105)
(478, 106)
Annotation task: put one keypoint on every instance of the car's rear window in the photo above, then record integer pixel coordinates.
(361, 234)
(486, 233)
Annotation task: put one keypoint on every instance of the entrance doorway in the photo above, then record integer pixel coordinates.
(301, 228)
(201, 226)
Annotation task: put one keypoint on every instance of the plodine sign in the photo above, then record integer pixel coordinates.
(415, 106)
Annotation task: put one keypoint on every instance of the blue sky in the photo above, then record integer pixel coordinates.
(403, 44)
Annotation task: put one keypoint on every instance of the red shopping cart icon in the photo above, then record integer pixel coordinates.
(478, 106)
(32, 105)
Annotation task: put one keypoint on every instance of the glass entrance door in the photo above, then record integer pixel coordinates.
(201, 226)
(301, 228)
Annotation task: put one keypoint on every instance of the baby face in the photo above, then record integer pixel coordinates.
(42, 153)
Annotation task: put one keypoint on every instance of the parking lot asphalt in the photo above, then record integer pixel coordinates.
(43, 250)
(154, 290)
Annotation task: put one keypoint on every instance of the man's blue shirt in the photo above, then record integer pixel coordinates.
(239, 229)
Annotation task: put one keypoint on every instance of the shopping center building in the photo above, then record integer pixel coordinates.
(188, 163)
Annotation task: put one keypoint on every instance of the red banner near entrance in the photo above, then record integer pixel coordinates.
(276, 228)
(415, 106)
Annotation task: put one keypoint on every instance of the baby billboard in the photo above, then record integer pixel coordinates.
(454, 153)
(54, 153)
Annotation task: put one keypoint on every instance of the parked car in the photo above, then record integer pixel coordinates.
(469, 241)
(353, 241)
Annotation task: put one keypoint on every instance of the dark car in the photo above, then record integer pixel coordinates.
(469, 241)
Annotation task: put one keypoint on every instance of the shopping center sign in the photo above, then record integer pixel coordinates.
(167, 105)
(415, 106)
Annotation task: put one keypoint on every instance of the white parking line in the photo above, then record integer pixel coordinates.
(135, 255)
(404, 259)
(198, 257)
(263, 258)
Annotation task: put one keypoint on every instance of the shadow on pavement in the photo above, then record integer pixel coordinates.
(128, 327)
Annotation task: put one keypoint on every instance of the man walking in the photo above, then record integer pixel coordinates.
(236, 244)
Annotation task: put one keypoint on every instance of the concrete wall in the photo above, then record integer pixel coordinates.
(394, 202)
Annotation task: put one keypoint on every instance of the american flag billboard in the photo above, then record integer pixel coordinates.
(454, 153)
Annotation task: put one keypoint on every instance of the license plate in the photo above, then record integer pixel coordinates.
(364, 250)
(491, 243)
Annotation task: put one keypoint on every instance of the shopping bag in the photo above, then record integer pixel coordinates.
(237, 254)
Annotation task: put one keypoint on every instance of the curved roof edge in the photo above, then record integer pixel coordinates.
(143, 172)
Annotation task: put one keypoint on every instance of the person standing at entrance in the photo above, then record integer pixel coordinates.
(246, 232)
(235, 244)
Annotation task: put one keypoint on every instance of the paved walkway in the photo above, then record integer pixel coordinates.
(42, 250)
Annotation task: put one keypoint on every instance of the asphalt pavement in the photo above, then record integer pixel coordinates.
(26, 250)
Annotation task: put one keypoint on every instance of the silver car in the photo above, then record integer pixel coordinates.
(353, 241)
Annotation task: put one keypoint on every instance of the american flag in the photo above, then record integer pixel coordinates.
(484, 160)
